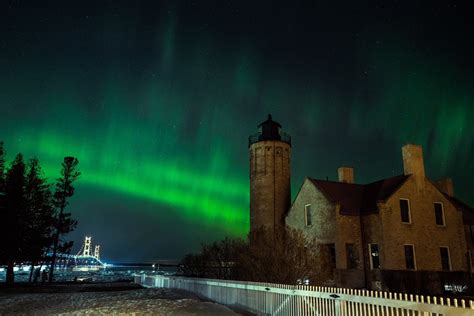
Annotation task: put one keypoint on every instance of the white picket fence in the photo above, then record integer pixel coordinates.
(280, 299)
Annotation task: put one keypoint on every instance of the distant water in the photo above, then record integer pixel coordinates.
(109, 274)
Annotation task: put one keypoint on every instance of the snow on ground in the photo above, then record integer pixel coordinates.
(72, 300)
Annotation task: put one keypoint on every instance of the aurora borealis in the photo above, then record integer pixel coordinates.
(157, 99)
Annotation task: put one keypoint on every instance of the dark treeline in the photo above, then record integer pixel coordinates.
(32, 218)
(283, 256)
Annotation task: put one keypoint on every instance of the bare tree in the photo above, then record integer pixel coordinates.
(285, 256)
(274, 256)
(217, 260)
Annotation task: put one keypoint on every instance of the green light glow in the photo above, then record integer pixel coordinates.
(203, 195)
(157, 105)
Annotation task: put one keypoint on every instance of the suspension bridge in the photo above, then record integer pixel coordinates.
(84, 259)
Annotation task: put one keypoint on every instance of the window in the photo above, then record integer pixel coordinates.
(410, 257)
(332, 254)
(405, 211)
(445, 260)
(439, 213)
(374, 256)
(351, 256)
(307, 215)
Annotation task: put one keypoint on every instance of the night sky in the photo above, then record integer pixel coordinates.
(157, 101)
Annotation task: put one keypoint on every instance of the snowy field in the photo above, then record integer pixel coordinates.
(105, 299)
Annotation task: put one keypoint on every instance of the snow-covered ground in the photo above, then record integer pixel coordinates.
(72, 300)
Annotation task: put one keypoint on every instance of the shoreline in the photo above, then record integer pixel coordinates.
(68, 287)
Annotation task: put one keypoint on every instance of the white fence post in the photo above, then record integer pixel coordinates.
(281, 299)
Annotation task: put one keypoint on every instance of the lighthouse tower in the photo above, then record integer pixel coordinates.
(270, 153)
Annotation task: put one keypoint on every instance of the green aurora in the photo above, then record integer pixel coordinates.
(158, 112)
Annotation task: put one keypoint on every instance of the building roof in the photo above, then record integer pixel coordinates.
(357, 199)
(467, 211)
(269, 130)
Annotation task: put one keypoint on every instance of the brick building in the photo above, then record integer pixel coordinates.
(402, 225)
(393, 230)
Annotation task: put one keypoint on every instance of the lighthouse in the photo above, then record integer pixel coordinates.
(270, 158)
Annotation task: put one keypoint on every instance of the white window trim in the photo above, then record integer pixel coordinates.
(409, 211)
(449, 257)
(306, 215)
(442, 211)
(370, 257)
(414, 257)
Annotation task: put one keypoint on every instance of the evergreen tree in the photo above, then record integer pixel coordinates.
(3, 223)
(2, 180)
(39, 215)
(32, 219)
(14, 215)
(64, 223)
(2, 168)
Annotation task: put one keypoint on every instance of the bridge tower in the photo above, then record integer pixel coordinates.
(87, 246)
(97, 252)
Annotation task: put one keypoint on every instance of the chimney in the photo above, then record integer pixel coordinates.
(413, 163)
(346, 174)
(446, 186)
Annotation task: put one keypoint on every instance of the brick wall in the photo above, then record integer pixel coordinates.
(423, 232)
(328, 227)
(469, 233)
(269, 183)
(323, 228)
(386, 229)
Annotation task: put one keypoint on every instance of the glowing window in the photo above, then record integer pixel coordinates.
(374, 256)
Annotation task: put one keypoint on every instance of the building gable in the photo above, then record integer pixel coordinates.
(467, 211)
(321, 212)
(357, 199)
